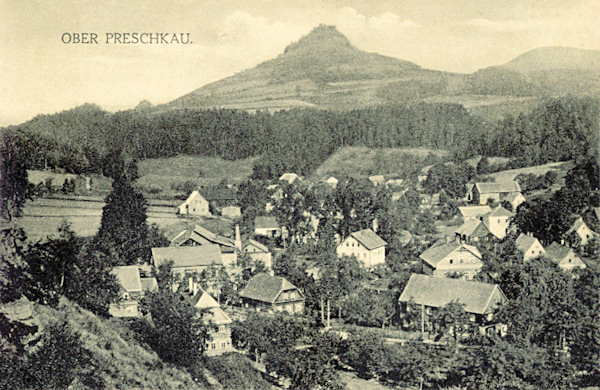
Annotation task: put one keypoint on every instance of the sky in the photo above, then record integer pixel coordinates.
(39, 74)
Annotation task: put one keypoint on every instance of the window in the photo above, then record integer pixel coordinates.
(352, 244)
(450, 261)
(347, 243)
(223, 345)
(213, 346)
(460, 261)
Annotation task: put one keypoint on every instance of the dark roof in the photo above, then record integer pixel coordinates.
(257, 244)
(437, 253)
(525, 242)
(188, 256)
(557, 252)
(473, 228)
(498, 187)
(266, 222)
(265, 288)
(213, 237)
(212, 193)
(478, 298)
(369, 239)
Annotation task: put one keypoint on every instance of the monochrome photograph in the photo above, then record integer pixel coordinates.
(261, 194)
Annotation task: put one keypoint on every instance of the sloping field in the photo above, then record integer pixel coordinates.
(364, 161)
(560, 167)
(162, 174)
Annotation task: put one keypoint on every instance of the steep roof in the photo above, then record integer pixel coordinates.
(204, 300)
(213, 237)
(525, 242)
(577, 225)
(265, 288)
(256, 244)
(149, 284)
(500, 211)
(369, 239)
(188, 256)
(474, 211)
(214, 193)
(290, 177)
(437, 253)
(128, 277)
(266, 222)
(473, 228)
(597, 212)
(512, 197)
(478, 298)
(497, 187)
(557, 252)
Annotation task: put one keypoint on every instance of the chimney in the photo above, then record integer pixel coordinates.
(238, 238)
(562, 241)
(196, 288)
(375, 225)
(191, 284)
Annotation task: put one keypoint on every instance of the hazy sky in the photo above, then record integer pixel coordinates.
(40, 74)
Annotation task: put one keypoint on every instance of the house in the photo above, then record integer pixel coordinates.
(377, 180)
(257, 252)
(131, 289)
(472, 231)
(515, 199)
(453, 259)
(332, 182)
(529, 246)
(394, 183)
(467, 212)
(231, 212)
(274, 293)
(290, 178)
(195, 205)
(581, 230)
(564, 256)
(267, 226)
(498, 221)
(482, 193)
(366, 245)
(220, 332)
(202, 236)
(479, 299)
(188, 259)
(219, 195)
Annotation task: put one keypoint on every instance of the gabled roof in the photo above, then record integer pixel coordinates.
(435, 254)
(500, 211)
(596, 212)
(188, 256)
(213, 237)
(478, 298)
(512, 197)
(576, 226)
(257, 244)
(128, 277)
(213, 193)
(473, 228)
(149, 284)
(474, 211)
(497, 187)
(369, 239)
(266, 222)
(377, 179)
(524, 242)
(218, 316)
(265, 288)
(204, 300)
(557, 252)
(193, 195)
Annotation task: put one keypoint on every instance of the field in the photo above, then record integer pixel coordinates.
(158, 176)
(364, 161)
(560, 167)
(43, 216)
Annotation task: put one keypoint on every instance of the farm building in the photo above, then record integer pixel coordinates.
(188, 259)
(272, 293)
(195, 205)
(482, 193)
(452, 259)
(267, 226)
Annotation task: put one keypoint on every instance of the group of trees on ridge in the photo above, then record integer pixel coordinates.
(300, 140)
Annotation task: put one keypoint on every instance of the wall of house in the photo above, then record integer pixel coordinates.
(352, 247)
(536, 250)
(127, 308)
(198, 206)
(498, 226)
(585, 234)
(266, 258)
(459, 261)
(220, 341)
(267, 232)
(571, 261)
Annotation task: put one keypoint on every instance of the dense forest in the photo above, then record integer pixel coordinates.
(299, 140)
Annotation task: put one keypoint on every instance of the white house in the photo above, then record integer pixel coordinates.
(258, 251)
(377, 180)
(515, 199)
(498, 221)
(564, 257)
(482, 193)
(581, 229)
(131, 289)
(529, 246)
(290, 177)
(453, 259)
(195, 204)
(467, 212)
(366, 245)
(266, 226)
(332, 182)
